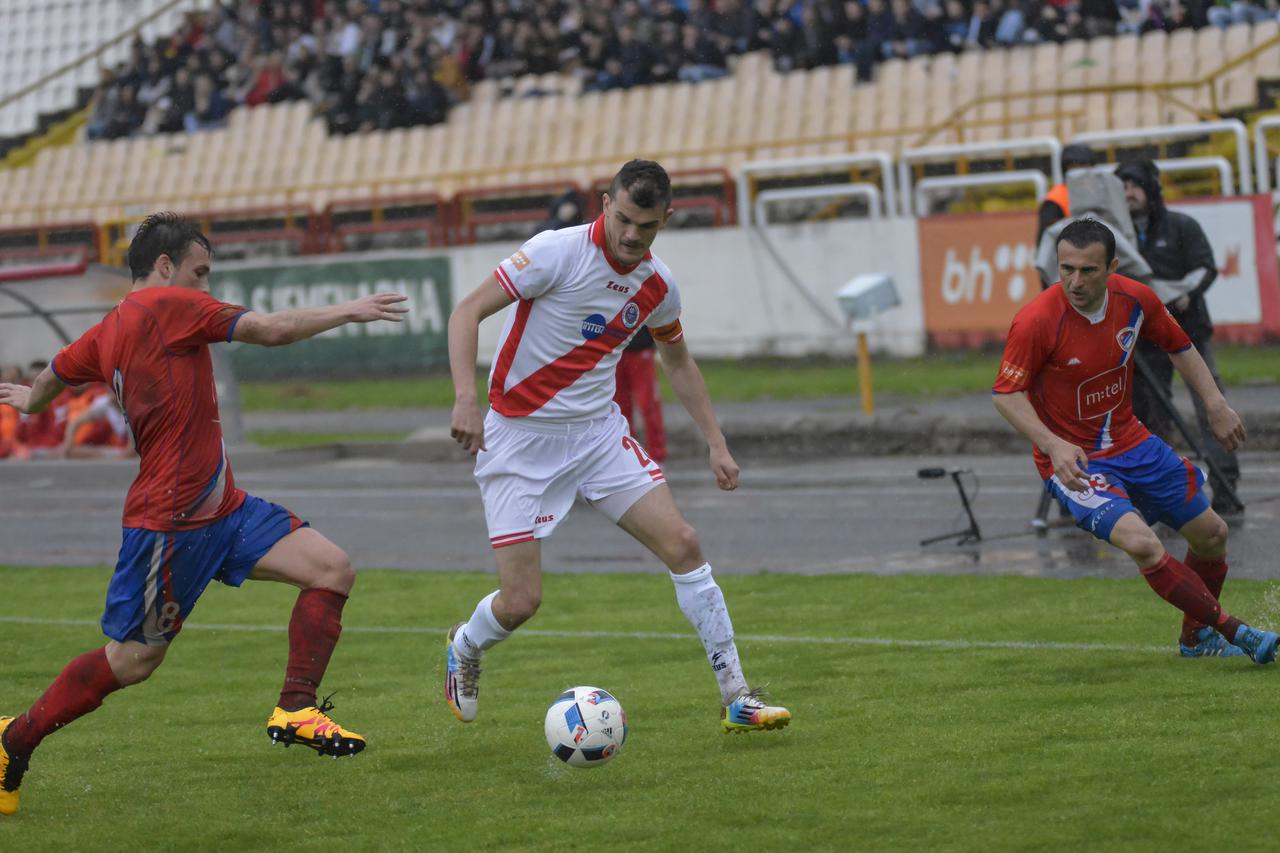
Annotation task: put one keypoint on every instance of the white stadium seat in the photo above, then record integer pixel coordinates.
(39, 36)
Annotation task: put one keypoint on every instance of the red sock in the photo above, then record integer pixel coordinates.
(313, 632)
(1182, 588)
(1213, 571)
(78, 689)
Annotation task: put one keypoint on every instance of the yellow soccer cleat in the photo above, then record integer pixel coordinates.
(749, 713)
(12, 769)
(312, 727)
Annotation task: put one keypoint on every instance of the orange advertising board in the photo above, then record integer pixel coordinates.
(976, 272)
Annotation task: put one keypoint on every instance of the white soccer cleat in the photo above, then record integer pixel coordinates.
(461, 681)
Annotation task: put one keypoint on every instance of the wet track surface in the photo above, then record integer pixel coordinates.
(829, 516)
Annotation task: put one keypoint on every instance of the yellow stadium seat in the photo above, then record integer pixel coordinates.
(1236, 89)
(1153, 58)
(1209, 50)
(1266, 64)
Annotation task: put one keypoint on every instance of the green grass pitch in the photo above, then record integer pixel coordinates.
(931, 713)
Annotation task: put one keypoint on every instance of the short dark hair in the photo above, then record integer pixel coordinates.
(645, 181)
(1083, 233)
(162, 234)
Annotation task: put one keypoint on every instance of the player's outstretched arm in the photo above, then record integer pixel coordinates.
(1223, 420)
(286, 327)
(1070, 463)
(691, 388)
(467, 424)
(34, 399)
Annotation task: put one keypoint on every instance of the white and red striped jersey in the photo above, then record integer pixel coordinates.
(576, 309)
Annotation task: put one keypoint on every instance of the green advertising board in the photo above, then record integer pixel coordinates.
(356, 349)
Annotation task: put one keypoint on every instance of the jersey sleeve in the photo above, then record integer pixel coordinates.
(532, 270)
(1159, 326)
(1024, 355)
(77, 362)
(664, 321)
(192, 317)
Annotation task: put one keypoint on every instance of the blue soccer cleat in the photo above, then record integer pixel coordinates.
(1257, 644)
(749, 713)
(1210, 644)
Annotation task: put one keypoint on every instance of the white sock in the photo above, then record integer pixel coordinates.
(481, 632)
(703, 605)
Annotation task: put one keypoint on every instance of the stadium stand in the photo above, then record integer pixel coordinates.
(40, 37)
(528, 136)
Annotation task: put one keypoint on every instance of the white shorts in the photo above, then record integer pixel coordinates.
(532, 471)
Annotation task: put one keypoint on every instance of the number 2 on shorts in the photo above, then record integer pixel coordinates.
(634, 446)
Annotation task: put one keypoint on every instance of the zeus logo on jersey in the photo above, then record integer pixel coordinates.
(593, 327)
(621, 288)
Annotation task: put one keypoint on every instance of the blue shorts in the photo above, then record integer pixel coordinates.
(1150, 479)
(160, 576)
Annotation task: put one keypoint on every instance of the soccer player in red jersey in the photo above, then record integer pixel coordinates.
(185, 522)
(1066, 384)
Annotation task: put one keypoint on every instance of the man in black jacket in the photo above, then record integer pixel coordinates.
(1183, 268)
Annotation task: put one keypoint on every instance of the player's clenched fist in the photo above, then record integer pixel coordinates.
(725, 469)
(467, 426)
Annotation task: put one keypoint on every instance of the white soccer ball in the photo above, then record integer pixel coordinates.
(585, 727)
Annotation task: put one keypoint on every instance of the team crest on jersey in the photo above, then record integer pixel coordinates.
(1126, 337)
(520, 260)
(631, 315)
(593, 327)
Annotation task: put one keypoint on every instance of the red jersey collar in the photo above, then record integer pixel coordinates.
(597, 237)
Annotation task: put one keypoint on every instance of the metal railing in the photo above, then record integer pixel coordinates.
(1226, 178)
(881, 159)
(1182, 131)
(862, 190)
(927, 186)
(1163, 90)
(1261, 161)
(912, 156)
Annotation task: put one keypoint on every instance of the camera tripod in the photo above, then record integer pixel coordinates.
(972, 533)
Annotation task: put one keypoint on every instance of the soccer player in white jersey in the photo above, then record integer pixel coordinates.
(553, 431)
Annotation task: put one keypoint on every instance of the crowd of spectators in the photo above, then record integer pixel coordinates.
(83, 422)
(379, 64)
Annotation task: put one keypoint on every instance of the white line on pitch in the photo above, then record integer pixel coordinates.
(1017, 645)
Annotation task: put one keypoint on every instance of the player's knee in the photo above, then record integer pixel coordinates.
(1143, 546)
(686, 550)
(1213, 540)
(140, 671)
(335, 571)
(522, 604)
(132, 664)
